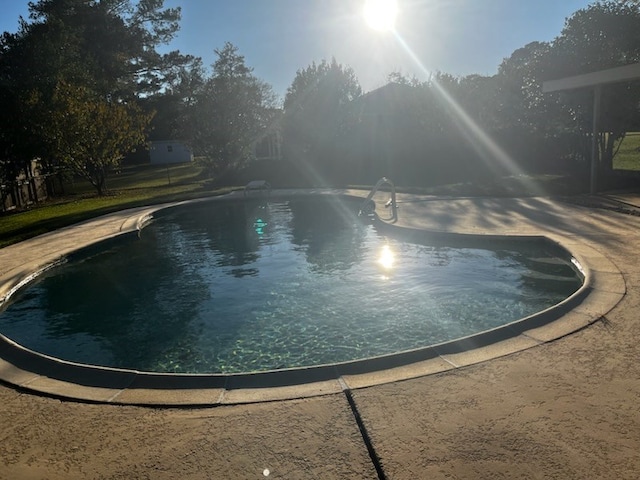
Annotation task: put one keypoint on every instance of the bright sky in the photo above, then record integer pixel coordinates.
(279, 37)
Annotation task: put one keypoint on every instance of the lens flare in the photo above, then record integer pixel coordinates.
(486, 147)
(381, 14)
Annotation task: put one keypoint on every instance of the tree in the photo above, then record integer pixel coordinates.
(519, 80)
(92, 135)
(605, 34)
(103, 52)
(232, 110)
(110, 45)
(537, 127)
(175, 107)
(400, 79)
(318, 117)
(21, 124)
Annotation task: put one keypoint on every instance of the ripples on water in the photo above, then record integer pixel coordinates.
(234, 287)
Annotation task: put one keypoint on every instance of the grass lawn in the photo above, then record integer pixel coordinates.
(132, 187)
(147, 185)
(628, 157)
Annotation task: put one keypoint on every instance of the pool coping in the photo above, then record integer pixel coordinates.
(603, 288)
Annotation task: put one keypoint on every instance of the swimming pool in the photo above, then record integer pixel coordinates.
(225, 287)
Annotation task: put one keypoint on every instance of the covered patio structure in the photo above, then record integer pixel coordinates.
(595, 81)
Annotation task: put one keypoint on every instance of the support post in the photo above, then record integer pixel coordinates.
(597, 100)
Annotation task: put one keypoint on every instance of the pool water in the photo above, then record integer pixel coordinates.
(223, 287)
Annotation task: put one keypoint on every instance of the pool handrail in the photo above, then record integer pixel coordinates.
(368, 205)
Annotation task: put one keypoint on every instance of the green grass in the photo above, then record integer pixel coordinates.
(148, 185)
(132, 187)
(628, 157)
(145, 177)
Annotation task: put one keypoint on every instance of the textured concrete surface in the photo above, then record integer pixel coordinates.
(561, 409)
(602, 289)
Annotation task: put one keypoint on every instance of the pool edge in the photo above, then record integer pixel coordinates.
(603, 288)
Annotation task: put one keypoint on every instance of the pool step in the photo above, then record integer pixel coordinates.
(552, 266)
(559, 283)
(547, 277)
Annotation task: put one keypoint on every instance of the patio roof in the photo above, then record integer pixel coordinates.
(594, 80)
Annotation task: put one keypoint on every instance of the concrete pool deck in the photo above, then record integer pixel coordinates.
(563, 409)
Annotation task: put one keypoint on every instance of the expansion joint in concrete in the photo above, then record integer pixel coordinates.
(363, 431)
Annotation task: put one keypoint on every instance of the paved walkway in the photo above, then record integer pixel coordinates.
(562, 409)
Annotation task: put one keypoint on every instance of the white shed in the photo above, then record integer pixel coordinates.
(164, 152)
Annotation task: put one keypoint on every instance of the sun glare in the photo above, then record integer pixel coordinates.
(387, 257)
(381, 14)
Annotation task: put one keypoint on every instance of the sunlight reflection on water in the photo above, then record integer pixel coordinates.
(225, 288)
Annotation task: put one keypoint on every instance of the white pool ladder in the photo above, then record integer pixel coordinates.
(368, 206)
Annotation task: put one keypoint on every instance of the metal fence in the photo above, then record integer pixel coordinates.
(24, 191)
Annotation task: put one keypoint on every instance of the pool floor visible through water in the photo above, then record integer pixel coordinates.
(227, 287)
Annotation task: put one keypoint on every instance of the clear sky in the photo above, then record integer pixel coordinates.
(279, 37)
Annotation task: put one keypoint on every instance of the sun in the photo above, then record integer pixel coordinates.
(381, 14)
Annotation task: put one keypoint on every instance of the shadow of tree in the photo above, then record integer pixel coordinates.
(530, 215)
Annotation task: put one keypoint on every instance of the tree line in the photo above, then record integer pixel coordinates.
(82, 84)
(456, 129)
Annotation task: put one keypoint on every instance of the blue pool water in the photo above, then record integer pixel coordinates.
(223, 287)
